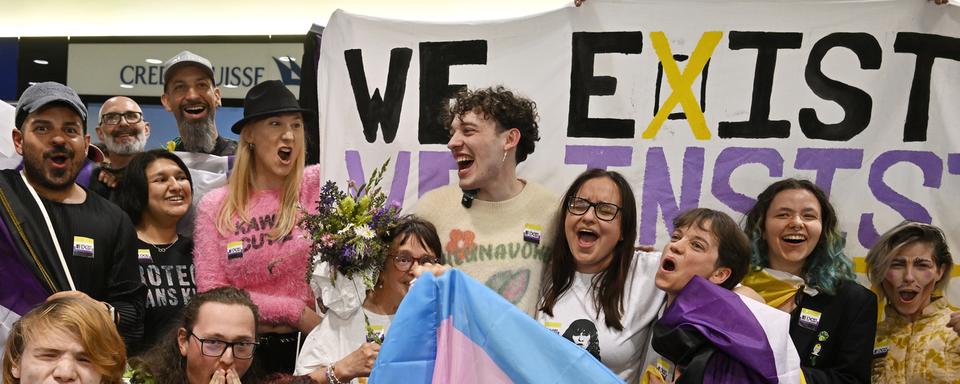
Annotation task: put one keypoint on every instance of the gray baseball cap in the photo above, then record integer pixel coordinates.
(41, 94)
(185, 58)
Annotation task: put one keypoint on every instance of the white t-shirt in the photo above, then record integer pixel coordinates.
(336, 338)
(576, 318)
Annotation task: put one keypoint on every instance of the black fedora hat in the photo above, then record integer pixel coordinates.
(270, 97)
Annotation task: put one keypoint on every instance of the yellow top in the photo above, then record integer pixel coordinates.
(922, 351)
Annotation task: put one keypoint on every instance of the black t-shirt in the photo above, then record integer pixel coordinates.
(97, 241)
(169, 278)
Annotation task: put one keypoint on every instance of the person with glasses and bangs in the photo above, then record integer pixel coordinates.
(214, 343)
(594, 274)
(338, 346)
(911, 265)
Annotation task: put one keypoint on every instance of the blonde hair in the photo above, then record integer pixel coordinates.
(82, 318)
(908, 232)
(241, 186)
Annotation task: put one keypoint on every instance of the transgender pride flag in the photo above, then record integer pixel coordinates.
(452, 329)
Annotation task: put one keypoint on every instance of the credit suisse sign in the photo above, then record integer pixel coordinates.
(137, 69)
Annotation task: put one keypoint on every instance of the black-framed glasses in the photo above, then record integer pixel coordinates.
(404, 263)
(131, 117)
(604, 211)
(216, 348)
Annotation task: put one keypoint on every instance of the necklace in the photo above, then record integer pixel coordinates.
(164, 249)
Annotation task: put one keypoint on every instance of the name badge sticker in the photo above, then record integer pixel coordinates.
(809, 319)
(664, 367)
(83, 247)
(234, 250)
(881, 348)
(532, 233)
(144, 256)
(553, 326)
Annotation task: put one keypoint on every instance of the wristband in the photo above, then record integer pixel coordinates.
(332, 377)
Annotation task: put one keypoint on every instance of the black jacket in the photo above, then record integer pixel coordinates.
(844, 330)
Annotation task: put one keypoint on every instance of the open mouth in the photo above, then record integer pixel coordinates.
(668, 265)
(907, 296)
(794, 239)
(59, 160)
(464, 162)
(586, 238)
(285, 153)
(195, 110)
(175, 198)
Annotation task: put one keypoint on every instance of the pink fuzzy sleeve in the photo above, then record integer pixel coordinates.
(310, 188)
(278, 309)
(207, 252)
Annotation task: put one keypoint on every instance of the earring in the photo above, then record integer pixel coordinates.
(250, 146)
(504, 159)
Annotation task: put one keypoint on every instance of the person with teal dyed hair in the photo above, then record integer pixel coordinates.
(799, 267)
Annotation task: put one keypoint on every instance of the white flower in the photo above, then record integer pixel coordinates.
(364, 231)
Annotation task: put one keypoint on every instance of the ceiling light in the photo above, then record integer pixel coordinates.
(41, 61)
(284, 58)
(127, 86)
(229, 86)
(153, 61)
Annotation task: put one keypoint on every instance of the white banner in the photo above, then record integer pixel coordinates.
(137, 69)
(698, 103)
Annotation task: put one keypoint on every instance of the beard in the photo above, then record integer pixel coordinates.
(127, 148)
(198, 135)
(52, 179)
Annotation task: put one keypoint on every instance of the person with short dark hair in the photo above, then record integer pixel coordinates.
(594, 280)
(707, 331)
(64, 340)
(56, 235)
(799, 267)
(492, 210)
(156, 192)
(911, 265)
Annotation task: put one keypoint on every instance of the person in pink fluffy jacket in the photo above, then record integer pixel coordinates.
(246, 233)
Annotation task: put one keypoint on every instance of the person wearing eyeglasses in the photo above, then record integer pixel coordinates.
(338, 347)
(911, 264)
(214, 343)
(594, 275)
(124, 133)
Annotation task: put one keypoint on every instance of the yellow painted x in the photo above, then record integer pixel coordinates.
(680, 83)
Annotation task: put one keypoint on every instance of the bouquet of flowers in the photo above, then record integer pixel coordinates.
(351, 229)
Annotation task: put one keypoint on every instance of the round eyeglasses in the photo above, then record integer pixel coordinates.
(604, 211)
(130, 117)
(404, 263)
(216, 348)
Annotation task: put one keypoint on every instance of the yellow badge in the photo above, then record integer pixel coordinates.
(553, 326)
(809, 319)
(143, 255)
(83, 247)
(234, 249)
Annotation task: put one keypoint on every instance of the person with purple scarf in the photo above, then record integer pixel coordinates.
(708, 332)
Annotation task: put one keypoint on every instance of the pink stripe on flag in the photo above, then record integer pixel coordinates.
(460, 360)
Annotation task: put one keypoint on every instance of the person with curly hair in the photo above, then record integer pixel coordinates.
(495, 226)
(798, 266)
(65, 339)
